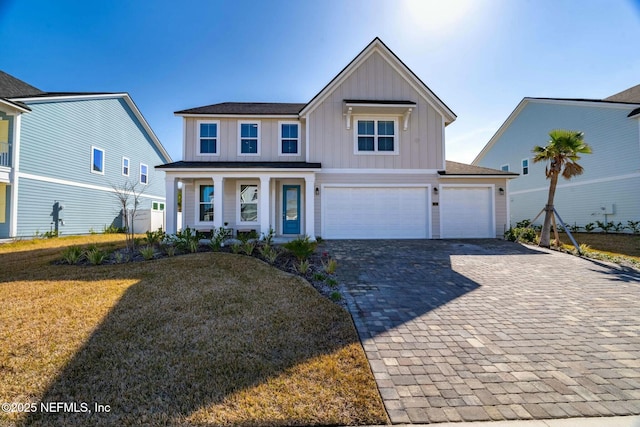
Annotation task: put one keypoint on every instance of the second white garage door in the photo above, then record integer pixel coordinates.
(375, 213)
(467, 212)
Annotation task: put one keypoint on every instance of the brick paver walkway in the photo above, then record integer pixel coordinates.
(492, 330)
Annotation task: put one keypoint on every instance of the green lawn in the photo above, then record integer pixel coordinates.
(202, 339)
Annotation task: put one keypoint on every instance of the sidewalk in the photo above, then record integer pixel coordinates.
(626, 421)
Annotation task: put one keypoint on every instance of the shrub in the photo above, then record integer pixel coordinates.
(155, 237)
(575, 228)
(217, 238)
(605, 226)
(521, 234)
(267, 238)
(72, 254)
(248, 247)
(336, 296)
(618, 228)
(634, 226)
(303, 267)
(95, 256)
(301, 248)
(318, 276)
(169, 249)
(589, 227)
(188, 240)
(236, 247)
(147, 252)
(119, 258)
(269, 253)
(330, 266)
(332, 282)
(523, 224)
(112, 229)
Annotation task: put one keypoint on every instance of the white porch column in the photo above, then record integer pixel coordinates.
(264, 201)
(218, 197)
(310, 206)
(171, 210)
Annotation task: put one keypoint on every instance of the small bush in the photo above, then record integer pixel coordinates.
(217, 238)
(112, 229)
(619, 228)
(301, 248)
(95, 256)
(236, 248)
(267, 238)
(589, 227)
(147, 252)
(523, 224)
(336, 296)
(170, 250)
(248, 247)
(330, 266)
(155, 237)
(72, 254)
(605, 226)
(119, 258)
(303, 267)
(634, 226)
(527, 235)
(318, 276)
(332, 282)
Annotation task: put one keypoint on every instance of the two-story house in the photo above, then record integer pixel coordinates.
(63, 156)
(365, 158)
(607, 191)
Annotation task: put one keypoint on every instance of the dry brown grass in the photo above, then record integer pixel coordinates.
(203, 339)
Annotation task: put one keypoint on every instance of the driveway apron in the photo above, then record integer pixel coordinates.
(478, 330)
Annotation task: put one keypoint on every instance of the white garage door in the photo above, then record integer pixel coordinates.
(374, 213)
(466, 212)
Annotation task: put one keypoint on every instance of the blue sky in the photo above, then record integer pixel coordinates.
(480, 57)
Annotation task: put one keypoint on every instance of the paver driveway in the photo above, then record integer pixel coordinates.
(486, 329)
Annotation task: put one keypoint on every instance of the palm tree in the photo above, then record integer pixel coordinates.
(561, 153)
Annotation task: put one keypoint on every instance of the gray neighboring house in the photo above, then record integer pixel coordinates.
(61, 154)
(365, 158)
(608, 189)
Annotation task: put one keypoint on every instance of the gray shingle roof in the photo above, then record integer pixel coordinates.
(455, 168)
(247, 108)
(628, 95)
(10, 87)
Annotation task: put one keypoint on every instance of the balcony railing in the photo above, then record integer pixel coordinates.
(5, 159)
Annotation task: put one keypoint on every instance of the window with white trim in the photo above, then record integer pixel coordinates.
(97, 160)
(205, 203)
(144, 174)
(376, 136)
(289, 138)
(125, 166)
(525, 166)
(249, 138)
(208, 138)
(248, 203)
(504, 168)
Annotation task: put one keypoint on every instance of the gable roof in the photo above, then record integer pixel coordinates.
(628, 95)
(455, 168)
(602, 102)
(377, 45)
(247, 108)
(11, 87)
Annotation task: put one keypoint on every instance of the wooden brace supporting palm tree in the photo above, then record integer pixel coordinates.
(561, 154)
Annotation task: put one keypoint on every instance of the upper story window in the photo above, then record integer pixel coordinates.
(504, 168)
(125, 166)
(525, 166)
(144, 174)
(97, 160)
(289, 139)
(376, 136)
(208, 138)
(249, 144)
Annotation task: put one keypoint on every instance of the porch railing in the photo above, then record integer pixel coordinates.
(4, 154)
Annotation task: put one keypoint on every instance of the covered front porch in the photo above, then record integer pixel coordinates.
(256, 199)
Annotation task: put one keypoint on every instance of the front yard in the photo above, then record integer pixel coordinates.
(201, 339)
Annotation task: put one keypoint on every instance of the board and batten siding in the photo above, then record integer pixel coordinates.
(57, 136)
(332, 144)
(610, 175)
(228, 140)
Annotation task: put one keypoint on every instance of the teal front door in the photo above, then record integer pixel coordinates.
(291, 209)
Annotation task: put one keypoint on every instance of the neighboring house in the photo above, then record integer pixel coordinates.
(608, 189)
(365, 158)
(62, 154)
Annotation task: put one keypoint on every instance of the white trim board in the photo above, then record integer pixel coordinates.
(80, 185)
(579, 184)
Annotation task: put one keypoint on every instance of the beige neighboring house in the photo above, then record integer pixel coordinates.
(364, 159)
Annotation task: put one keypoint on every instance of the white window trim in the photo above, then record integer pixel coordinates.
(217, 123)
(502, 167)
(375, 152)
(128, 166)
(239, 221)
(104, 161)
(197, 185)
(280, 153)
(522, 167)
(140, 176)
(248, 122)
